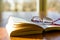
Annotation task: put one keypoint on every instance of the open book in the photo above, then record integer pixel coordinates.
(17, 27)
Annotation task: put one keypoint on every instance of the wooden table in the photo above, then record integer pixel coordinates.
(46, 36)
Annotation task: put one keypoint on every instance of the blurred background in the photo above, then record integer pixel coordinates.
(26, 9)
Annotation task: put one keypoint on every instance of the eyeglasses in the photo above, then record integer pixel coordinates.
(36, 19)
(53, 23)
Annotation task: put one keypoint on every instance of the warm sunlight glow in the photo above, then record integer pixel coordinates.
(9, 29)
(9, 26)
(13, 20)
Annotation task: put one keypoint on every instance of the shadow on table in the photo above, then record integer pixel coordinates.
(52, 35)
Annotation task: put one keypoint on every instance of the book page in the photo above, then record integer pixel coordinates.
(52, 27)
(14, 20)
(23, 25)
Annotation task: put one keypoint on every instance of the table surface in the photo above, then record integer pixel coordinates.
(46, 36)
